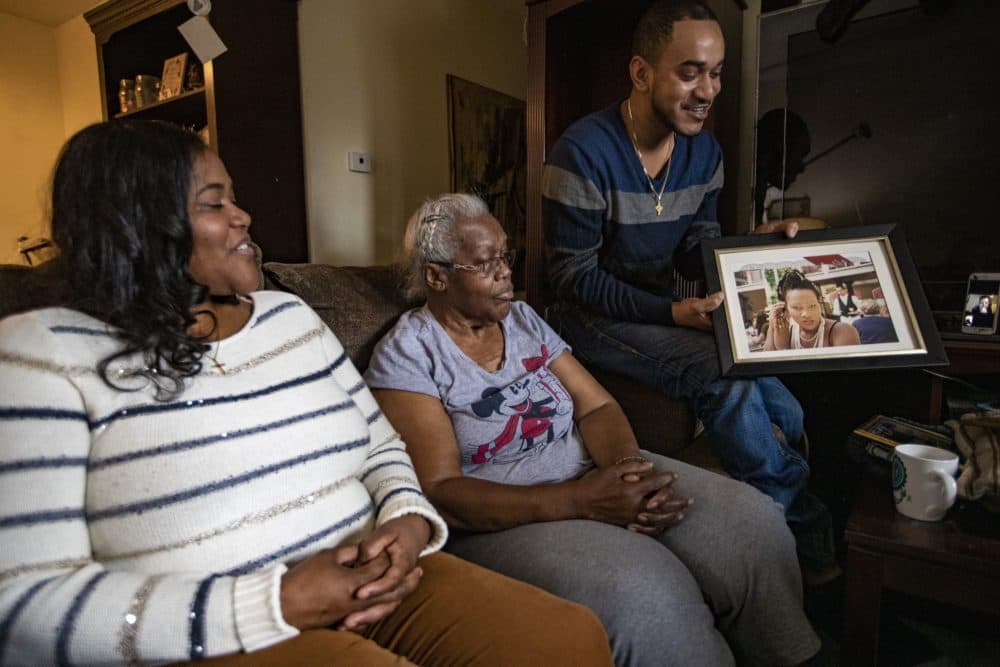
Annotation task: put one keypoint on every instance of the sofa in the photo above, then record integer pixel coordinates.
(360, 304)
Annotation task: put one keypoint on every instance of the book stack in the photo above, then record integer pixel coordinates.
(877, 437)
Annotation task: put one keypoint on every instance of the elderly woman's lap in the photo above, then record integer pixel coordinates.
(651, 606)
(737, 546)
(725, 579)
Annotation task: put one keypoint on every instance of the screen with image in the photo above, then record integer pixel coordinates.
(981, 305)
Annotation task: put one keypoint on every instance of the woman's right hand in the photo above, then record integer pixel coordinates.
(322, 590)
(779, 330)
(605, 496)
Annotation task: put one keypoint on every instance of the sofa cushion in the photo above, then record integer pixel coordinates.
(359, 304)
(662, 425)
(24, 287)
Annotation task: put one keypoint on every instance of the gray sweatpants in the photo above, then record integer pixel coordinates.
(724, 582)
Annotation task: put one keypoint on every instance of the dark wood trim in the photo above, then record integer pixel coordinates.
(538, 15)
(250, 104)
(110, 17)
(208, 71)
(863, 596)
(965, 357)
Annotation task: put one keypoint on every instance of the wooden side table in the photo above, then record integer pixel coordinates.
(966, 356)
(934, 560)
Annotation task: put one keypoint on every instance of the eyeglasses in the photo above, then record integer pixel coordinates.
(489, 267)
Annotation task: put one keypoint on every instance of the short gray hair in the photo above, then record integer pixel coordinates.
(430, 235)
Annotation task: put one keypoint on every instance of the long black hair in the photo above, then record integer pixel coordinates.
(120, 221)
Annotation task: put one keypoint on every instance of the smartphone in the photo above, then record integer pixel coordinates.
(982, 303)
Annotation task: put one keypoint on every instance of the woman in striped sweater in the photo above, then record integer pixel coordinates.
(192, 469)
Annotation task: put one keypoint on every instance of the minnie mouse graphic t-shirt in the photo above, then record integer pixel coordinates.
(513, 425)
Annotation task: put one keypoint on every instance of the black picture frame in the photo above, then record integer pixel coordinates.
(875, 263)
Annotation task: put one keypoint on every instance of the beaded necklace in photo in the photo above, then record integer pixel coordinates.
(798, 342)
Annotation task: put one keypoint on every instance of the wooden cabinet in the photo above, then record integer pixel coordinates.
(249, 104)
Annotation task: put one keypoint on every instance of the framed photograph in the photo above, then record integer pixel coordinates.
(835, 299)
(878, 436)
(892, 431)
(172, 81)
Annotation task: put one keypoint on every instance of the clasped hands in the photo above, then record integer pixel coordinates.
(633, 495)
(355, 585)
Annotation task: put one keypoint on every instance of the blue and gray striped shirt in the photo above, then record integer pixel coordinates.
(607, 249)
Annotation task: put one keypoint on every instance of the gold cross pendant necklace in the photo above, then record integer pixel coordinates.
(214, 356)
(219, 366)
(635, 144)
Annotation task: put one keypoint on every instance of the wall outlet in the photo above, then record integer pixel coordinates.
(359, 162)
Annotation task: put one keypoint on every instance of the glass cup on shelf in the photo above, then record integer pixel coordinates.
(126, 95)
(147, 89)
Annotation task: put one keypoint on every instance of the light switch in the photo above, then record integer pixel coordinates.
(359, 162)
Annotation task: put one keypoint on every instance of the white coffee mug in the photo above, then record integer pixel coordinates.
(923, 481)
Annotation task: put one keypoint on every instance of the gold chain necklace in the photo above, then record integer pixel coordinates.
(635, 144)
(229, 299)
(219, 366)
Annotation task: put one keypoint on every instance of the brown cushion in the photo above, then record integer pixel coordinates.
(359, 304)
(662, 425)
(23, 287)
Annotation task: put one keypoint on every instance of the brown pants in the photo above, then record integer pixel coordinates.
(460, 614)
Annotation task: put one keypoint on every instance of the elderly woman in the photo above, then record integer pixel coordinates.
(191, 468)
(536, 468)
(796, 322)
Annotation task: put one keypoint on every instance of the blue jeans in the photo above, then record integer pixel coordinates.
(737, 412)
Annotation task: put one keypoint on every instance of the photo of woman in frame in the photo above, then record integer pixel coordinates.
(780, 309)
(796, 290)
(797, 320)
(798, 301)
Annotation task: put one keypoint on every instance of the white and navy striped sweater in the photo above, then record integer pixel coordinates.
(134, 531)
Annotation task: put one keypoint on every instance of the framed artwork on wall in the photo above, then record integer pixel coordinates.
(487, 156)
(172, 80)
(835, 299)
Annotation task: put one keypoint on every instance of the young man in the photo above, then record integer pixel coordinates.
(628, 194)
(845, 308)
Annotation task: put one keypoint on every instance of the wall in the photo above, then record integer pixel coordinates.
(45, 76)
(31, 128)
(373, 80)
(79, 81)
